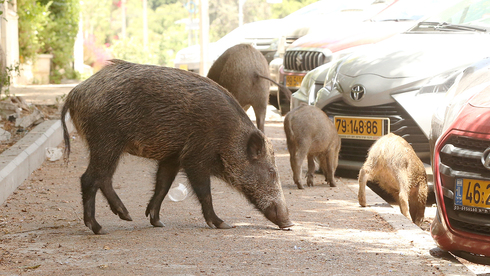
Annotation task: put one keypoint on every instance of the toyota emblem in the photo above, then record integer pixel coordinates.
(357, 92)
(485, 159)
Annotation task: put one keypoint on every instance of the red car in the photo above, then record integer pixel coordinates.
(461, 165)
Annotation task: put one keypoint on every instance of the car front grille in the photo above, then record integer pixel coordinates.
(304, 60)
(469, 157)
(460, 157)
(401, 124)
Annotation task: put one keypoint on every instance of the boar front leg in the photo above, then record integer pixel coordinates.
(363, 179)
(167, 171)
(202, 188)
(403, 195)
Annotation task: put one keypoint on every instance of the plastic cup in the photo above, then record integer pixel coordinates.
(178, 193)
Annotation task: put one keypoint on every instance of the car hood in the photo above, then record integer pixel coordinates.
(417, 55)
(475, 115)
(349, 35)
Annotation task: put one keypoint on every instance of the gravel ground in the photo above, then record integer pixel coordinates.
(42, 233)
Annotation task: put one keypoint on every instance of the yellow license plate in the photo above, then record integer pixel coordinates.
(471, 195)
(366, 128)
(183, 67)
(294, 81)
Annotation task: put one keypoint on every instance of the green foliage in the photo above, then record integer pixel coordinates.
(6, 77)
(49, 27)
(58, 38)
(164, 36)
(33, 18)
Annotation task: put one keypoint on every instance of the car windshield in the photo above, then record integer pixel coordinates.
(409, 10)
(467, 15)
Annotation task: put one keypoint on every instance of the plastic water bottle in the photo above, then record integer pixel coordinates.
(178, 193)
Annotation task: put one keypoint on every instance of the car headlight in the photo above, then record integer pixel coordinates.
(441, 83)
(331, 81)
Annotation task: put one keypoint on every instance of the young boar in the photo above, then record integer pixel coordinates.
(309, 132)
(184, 121)
(244, 71)
(394, 166)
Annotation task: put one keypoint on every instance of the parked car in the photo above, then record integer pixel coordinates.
(338, 23)
(315, 49)
(262, 33)
(190, 58)
(461, 165)
(393, 85)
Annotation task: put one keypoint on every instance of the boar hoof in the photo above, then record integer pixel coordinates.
(223, 225)
(97, 229)
(125, 216)
(332, 184)
(300, 186)
(157, 223)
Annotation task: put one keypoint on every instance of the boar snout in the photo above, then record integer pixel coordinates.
(278, 214)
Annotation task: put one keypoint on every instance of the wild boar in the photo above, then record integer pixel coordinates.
(394, 166)
(309, 132)
(244, 71)
(182, 120)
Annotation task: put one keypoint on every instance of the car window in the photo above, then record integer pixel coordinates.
(464, 12)
(330, 6)
(410, 9)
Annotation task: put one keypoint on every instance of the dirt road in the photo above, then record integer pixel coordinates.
(42, 233)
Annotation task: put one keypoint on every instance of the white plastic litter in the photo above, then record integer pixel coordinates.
(53, 154)
(178, 193)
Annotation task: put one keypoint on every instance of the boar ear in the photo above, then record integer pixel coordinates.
(255, 145)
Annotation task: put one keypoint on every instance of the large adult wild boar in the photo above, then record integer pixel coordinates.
(395, 167)
(244, 71)
(184, 121)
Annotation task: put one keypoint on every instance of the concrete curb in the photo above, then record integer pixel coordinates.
(27, 155)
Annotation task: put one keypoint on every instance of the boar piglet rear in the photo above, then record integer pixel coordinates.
(184, 121)
(394, 166)
(310, 133)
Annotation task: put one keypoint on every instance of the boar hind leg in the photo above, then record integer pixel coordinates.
(202, 188)
(329, 165)
(101, 168)
(310, 175)
(260, 112)
(296, 164)
(165, 176)
(363, 179)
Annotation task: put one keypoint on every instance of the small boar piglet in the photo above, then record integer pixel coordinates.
(182, 120)
(310, 133)
(395, 167)
(244, 71)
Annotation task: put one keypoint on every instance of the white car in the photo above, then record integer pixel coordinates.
(396, 85)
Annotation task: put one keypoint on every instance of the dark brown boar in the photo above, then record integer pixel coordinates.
(244, 71)
(184, 121)
(395, 167)
(310, 133)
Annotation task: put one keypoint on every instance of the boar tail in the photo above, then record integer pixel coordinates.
(66, 134)
(282, 88)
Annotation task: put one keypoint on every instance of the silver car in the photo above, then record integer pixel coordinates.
(395, 85)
